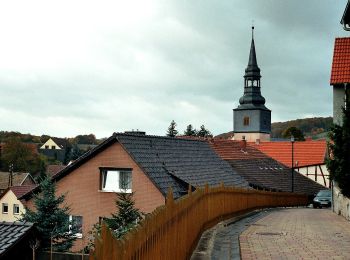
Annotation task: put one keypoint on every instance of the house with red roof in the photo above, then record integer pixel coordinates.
(340, 76)
(308, 157)
(11, 205)
(260, 170)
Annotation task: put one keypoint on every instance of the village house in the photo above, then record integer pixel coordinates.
(260, 170)
(15, 179)
(54, 148)
(135, 162)
(309, 157)
(11, 206)
(340, 79)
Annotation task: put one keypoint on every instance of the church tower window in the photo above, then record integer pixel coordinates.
(246, 121)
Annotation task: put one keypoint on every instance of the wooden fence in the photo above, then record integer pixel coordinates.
(172, 231)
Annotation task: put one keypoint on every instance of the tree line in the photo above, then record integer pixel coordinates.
(189, 131)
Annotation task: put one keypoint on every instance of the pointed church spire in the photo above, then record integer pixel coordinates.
(252, 70)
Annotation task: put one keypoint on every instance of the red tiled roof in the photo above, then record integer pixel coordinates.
(260, 170)
(19, 191)
(341, 61)
(233, 150)
(305, 153)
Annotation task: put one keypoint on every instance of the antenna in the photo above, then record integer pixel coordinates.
(252, 29)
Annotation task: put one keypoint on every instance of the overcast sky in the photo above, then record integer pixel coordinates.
(80, 67)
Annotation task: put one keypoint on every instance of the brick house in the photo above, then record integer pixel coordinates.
(145, 165)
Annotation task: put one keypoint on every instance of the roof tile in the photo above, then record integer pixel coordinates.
(341, 61)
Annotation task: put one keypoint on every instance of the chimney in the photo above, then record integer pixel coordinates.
(243, 143)
(257, 141)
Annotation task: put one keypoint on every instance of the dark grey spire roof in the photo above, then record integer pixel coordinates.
(252, 98)
(252, 71)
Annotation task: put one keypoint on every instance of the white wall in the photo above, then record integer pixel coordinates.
(11, 199)
(312, 170)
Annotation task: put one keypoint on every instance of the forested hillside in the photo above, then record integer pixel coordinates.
(313, 127)
(316, 127)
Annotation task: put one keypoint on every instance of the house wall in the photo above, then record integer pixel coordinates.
(50, 143)
(341, 204)
(11, 199)
(83, 195)
(340, 93)
(312, 170)
(252, 137)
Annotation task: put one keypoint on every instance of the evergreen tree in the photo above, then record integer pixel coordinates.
(52, 220)
(339, 162)
(190, 131)
(203, 132)
(127, 216)
(172, 132)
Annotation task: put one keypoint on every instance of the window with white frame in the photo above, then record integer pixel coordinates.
(76, 225)
(15, 209)
(116, 180)
(5, 208)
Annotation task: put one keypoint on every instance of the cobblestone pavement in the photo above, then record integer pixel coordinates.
(298, 233)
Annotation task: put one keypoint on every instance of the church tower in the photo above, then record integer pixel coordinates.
(252, 119)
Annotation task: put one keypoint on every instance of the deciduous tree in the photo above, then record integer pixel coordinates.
(296, 132)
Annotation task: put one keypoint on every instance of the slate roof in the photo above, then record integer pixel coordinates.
(341, 61)
(18, 179)
(169, 162)
(52, 169)
(11, 233)
(166, 160)
(262, 171)
(306, 153)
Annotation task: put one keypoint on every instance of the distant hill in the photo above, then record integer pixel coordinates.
(316, 127)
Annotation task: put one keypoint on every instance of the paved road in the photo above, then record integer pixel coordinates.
(299, 233)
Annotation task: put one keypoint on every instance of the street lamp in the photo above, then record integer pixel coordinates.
(292, 140)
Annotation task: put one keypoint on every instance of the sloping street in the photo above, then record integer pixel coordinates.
(283, 233)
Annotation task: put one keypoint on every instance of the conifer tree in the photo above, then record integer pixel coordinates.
(127, 216)
(172, 132)
(339, 162)
(203, 132)
(190, 131)
(51, 218)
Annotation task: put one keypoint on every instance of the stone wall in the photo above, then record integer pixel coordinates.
(341, 204)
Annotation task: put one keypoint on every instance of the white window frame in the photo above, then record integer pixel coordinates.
(111, 182)
(77, 235)
(2, 210)
(14, 207)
